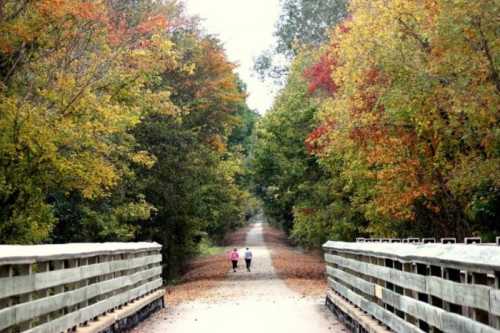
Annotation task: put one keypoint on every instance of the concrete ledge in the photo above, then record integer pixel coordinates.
(355, 319)
(128, 316)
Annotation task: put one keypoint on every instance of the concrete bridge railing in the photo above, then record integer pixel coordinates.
(53, 288)
(415, 287)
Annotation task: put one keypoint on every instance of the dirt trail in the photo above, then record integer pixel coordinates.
(257, 302)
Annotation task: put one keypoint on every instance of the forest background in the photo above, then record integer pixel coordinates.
(122, 120)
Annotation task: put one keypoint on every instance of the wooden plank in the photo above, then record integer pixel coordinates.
(74, 318)
(495, 301)
(474, 295)
(403, 279)
(386, 317)
(406, 304)
(363, 285)
(421, 310)
(453, 322)
(477, 296)
(366, 321)
(16, 285)
(25, 311)
(443, 320)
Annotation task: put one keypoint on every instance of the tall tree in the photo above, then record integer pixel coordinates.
(416, 110)
(307, 199)
(301, 23)
(193, 184)
(72, 84)
(121, 96)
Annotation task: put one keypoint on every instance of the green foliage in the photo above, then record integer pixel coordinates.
(193, 184)
(416, 110)
(241, 136)
(208, 248)
(305, 22)
(280, 161)
(299, 194)
(405, 128)
(119, 121)
(72, 84)
(302, 23)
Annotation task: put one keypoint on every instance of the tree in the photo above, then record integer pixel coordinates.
(402, 127)
(415, 111)
(66, 130)
(122, 96)
(193, 184)
(299, 194)
(302, 23)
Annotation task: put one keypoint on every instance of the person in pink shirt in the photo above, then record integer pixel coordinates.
(234, 256)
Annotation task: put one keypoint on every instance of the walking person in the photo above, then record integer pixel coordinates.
(234, 256)
(248, 258)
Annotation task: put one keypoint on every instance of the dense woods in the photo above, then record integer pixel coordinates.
(390, 127)
(120, 120)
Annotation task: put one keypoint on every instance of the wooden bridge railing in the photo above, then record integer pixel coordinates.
(418, 287)
(53, 288)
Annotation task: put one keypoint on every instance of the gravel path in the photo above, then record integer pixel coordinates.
(256, 302)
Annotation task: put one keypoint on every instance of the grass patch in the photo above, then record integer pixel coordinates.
(207, 248)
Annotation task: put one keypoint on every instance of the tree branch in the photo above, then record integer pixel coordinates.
(421, 40)
(16, 62)
(494, 76)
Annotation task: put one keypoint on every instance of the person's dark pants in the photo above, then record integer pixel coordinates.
(235, 264)
(248, 262)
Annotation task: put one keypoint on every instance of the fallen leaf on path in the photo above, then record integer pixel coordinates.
(302, 272)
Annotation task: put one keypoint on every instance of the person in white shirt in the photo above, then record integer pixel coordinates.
(248, 258)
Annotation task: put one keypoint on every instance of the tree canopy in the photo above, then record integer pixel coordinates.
(124, 121)
(405, 121)
(119, 120)
(302, 23)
